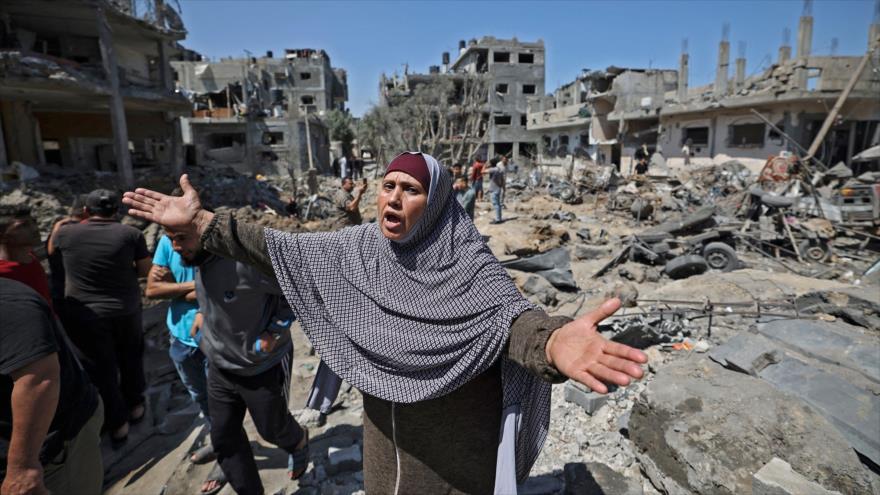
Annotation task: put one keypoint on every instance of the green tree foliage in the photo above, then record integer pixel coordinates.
(341, 127)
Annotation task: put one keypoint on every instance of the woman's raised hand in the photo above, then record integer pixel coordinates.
(580, 353)
(179, 213)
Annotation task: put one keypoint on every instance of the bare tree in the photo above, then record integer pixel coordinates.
(445, 117)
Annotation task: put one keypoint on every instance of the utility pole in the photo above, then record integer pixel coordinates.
(829, 120)
(117, 108)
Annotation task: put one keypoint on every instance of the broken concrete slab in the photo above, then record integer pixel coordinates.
(707, 430)
(853, 410)
(596, 478)
(831, 342)
(554, 265)
(778, 478)
(344, 460)
(584, 397)
(747, 353)
(540, 485)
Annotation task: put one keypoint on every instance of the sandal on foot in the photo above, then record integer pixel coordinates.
(203, 455)
(216, 476)
(298, 461)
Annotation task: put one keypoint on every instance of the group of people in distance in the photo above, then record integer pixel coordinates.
(413, 310)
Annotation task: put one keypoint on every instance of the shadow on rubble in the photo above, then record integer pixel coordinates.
(339, 436)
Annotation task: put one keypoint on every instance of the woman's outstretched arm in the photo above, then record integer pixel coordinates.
(556, 348)
(219, 233)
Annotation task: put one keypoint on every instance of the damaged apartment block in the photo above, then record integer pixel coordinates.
(511, 70)
(261, 114)
(88, 85)
(605, 116)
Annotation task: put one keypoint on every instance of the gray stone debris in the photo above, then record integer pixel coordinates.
(540, 485)
(778, 478)
(747, 353)
(584, 397)
(342, 460)
(309, 418)
(596, 478)
(706, 430)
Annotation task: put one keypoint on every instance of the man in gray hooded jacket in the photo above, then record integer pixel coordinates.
(245, 335)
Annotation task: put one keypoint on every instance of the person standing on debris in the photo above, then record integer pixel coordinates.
(640, 160)
(173, 277)
(76, 214)
(50, 414)
(245, 334)
(344, 164)
(417, 313)
(504, 165)
(465, 196)
(357, 168)
(686, 151)
(19, 235)
(102, 262)
(348, 204)
(496, 187)
(477, 177)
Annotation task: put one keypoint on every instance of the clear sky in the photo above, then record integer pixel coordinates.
(368, 38)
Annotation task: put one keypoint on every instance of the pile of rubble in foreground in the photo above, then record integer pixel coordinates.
(757, 299)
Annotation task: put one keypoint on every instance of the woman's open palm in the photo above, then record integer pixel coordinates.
(174, 212)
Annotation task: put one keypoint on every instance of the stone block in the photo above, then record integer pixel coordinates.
(597, 478)
(747, 353)
(584, 397)
(343, 460)
(544, 484)
(778, 478)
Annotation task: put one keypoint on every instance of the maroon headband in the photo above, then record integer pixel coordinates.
(413, 165)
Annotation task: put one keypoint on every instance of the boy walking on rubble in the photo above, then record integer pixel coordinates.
(173, 277)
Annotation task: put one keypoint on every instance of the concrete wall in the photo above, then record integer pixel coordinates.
(798, 119)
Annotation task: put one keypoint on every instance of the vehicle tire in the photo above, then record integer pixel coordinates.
(685, 266)
(815, 250)
(720, 256)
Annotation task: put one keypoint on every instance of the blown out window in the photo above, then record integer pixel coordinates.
(746, 135)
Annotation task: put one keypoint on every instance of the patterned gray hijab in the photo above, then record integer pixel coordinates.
(415, 320)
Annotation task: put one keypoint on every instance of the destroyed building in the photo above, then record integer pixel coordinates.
(512, 70)
(794, 94)
(601, 116)
(262, 114)
(88, 85)
(604, 116)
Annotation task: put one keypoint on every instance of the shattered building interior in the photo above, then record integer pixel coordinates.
(253, 111)
(513, 70)
(75, 94)
(738, 222)
(632, 107)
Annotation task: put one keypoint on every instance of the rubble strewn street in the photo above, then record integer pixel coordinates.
(738, 222)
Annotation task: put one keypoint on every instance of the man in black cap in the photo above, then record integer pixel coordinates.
(102, 262)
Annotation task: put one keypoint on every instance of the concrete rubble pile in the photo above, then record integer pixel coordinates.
(725, 329)
(694, 288)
